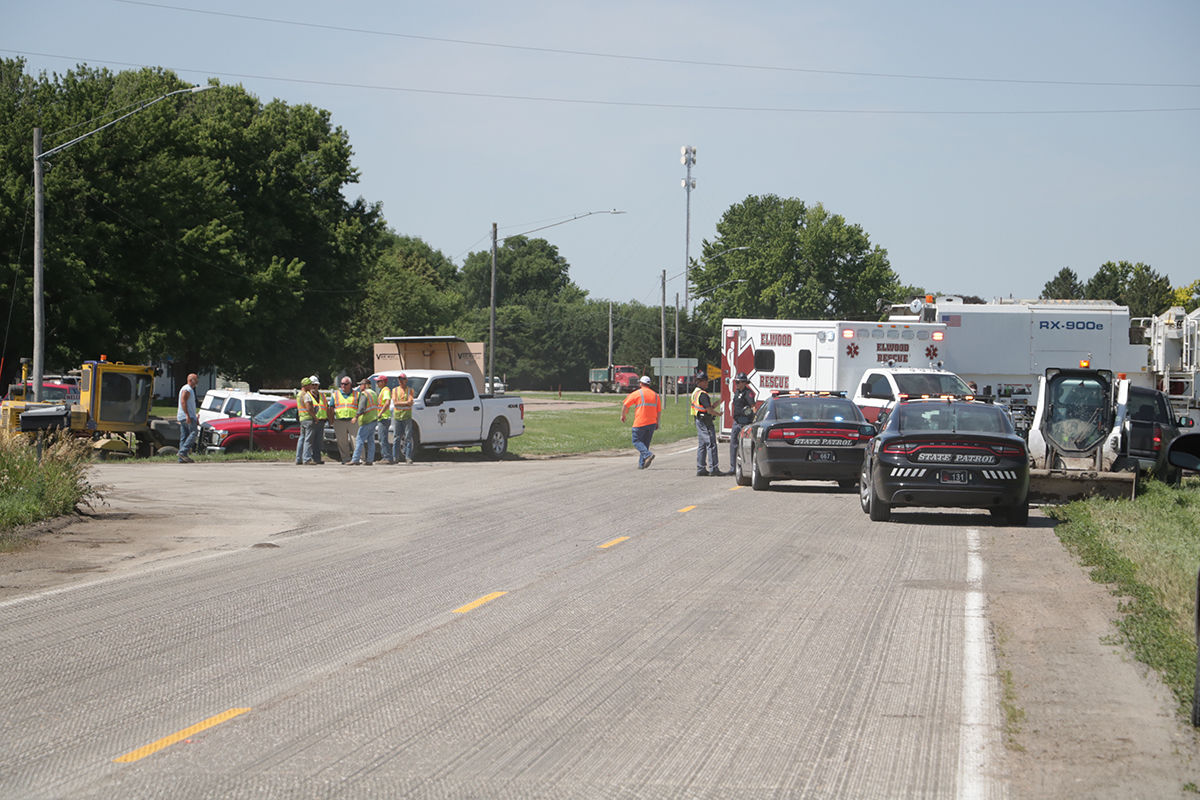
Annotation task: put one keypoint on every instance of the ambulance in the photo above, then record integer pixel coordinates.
(820, 355)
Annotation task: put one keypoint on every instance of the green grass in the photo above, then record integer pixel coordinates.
(1148, 549)
(588, 430)
(31, 491)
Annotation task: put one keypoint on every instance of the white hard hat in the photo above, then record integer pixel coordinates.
(645, 379)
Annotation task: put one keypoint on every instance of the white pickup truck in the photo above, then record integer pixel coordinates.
(448, 411)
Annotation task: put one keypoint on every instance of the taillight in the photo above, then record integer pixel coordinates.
(899, 447)
(1008, 451)
(522, 406)
(1157, 437)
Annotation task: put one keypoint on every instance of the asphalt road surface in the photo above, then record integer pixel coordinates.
(564, 628)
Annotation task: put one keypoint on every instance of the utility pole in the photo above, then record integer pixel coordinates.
(676, 384)
(661, 378)
(610, 356)
(687, 158)
(492, 324)
(39, 309)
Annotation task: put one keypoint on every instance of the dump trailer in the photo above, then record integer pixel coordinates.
(113, 410)
(1075, 441)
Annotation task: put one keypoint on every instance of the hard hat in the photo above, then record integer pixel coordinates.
(314, 380)
(741, 376)
(402, 376)
(305, 381)
(645, 379)
(379, 378)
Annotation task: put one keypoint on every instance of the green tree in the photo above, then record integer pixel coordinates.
(798, 262)
(528, 271)
(1063, 286)
(1109, 282)
(209, 228)
(1188, 297)
(1147, 293)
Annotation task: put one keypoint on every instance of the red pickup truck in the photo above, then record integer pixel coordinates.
(276, 427)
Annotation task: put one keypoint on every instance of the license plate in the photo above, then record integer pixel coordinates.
(954, 476)
(822, 455)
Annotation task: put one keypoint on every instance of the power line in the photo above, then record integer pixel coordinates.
(636, 104)
(658, 59)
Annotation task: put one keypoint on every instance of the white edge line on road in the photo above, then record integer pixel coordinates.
(164, 564)
(977, 738)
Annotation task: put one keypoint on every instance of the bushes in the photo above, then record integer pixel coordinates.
(31, 491)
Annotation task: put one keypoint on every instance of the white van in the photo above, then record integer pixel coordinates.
(223, 403)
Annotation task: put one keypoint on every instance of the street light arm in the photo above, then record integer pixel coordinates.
(562, 222)
(110, 123)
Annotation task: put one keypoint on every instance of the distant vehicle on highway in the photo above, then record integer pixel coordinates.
(494, 386)
(808, 436)
(950, 453)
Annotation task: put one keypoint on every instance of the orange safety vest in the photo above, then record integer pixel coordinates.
(646, 411)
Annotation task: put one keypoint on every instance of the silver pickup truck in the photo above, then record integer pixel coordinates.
(448, 411)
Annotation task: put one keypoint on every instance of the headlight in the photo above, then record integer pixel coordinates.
(218, 436)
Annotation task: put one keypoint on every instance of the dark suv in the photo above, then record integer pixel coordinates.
(1150, 426)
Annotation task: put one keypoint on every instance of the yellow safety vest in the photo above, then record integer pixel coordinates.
(321, 406)
(696, 408)
(372, 412)
(304, 405)
(345, 406)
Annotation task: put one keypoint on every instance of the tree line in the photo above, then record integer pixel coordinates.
(215, 231)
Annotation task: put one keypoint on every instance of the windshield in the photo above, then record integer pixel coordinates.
(415, 384)
(1078, 411)
(931, 383)
(953, 417)
(269, 413)
(825, 409)
(257, 406)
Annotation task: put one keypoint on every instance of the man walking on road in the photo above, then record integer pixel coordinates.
(706, 435)
(185, 415)
(647, 412)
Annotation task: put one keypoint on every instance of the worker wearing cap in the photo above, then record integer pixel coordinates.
(367, 419)
(647, 412)
(320, 409)
(706, 435)
(743, 412)
(305, 411)
(402, 402)
(343, 406)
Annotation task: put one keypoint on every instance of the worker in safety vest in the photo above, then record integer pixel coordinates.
(706, 435)
(304, 409)
(383, 396)
(320, 408)
(402, 403)
(343, 406)
(647, 412)
(367, 418)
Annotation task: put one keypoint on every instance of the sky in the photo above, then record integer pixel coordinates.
(984, 146)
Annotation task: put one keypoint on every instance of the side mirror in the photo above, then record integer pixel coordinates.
(1186, 422)
(1184, 452)
(277, 425)
(434, 399)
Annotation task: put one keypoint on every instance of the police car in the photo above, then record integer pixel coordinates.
(947, 451)
(808, 436)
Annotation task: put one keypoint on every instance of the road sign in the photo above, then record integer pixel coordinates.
(673, 367)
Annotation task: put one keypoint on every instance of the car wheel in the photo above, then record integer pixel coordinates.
(496, 444)
(877, 509)
(416, 441)
(757, 481)
(864, 490)
(739, 470)
(1018, 514)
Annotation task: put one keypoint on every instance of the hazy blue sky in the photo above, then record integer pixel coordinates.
(985, 146)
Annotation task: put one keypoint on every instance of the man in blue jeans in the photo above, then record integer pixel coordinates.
(185, 415)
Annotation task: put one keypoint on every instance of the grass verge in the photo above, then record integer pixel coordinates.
(33, 490)
(1148, 550)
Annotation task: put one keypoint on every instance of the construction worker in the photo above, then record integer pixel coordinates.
(305, 411)
(320, 414)
(402, 402)
(343, 406)
(367, 417)
(383, 397)
(647, 412)
(706, 435)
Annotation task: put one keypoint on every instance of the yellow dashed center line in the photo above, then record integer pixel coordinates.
(686, 509)
(618, 540)
(167, 741)
(487, 598)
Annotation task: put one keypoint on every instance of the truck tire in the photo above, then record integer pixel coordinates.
(757, 482)
(416, 442)
(496, 444)
(1018, 514)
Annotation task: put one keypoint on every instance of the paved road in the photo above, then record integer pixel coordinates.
(556, 628)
